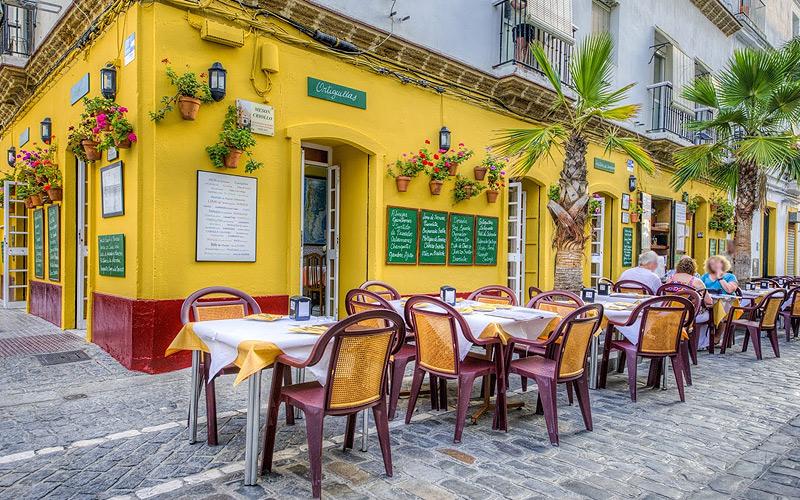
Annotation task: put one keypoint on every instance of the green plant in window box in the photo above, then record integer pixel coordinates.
(234, 141)
(693, 204)
(465, 189)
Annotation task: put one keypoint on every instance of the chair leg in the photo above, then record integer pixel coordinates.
(211, 403)
(314, 433)
(350, 431)
(443, 394)
(621, 362)
(272, 419)
(632, 376)
(582, 388)
(287, 380)
(382, 426)
(773, 339)
(465, 383)
(398, 370)
(677, 363)
(753, 334)
(416, 383)
(654, 374)
(788, 324)
(687, 367)
(434, 384)
(746, 341)
(694, 342)
(727, 333)
(547, 391)
(602, 375)
(712, 335)
(569, 393)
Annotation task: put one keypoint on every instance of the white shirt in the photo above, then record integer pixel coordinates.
(642, 275)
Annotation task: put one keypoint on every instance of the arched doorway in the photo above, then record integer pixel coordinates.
(524, 231)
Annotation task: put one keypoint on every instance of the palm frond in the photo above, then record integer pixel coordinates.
(591, 68)
(612, 98)
(726, 176)
(768, 151)
(784, 103)
(537, 49)
(620, 113)
(631, 147)
(751, 75)
(695, 162)
(526, 146)
(702, 91)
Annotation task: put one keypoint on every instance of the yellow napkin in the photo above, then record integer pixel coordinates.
(265, 317)
(311, 329)
(503, 306)
(483, 308)
(464, 310)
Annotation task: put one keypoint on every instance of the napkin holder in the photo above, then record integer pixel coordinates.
(750, 286)
(448, 295)
(603, 289)
(588, 294)
(299, 308)
(763, 285)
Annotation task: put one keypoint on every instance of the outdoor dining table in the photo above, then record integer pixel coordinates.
(252, 344)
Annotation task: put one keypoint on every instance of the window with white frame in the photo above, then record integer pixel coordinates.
(601, 18)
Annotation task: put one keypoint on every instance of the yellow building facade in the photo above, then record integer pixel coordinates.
(135, 316)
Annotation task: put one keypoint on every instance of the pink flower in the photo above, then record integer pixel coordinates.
(460, 153)
(461, 144)
(123, 109)
(132, 137)
(96, 130)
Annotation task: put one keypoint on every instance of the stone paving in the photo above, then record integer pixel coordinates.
(91, 429)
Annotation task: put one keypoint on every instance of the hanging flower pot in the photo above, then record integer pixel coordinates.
(468, 190)
(402, 183)
(232, 158)
(480, 173)
(29, 202)
(124, 144)
(436, 187)
(491, 196)
(56, 194)
(90, 148)
(452, 168)
(36, 200)
(189, 107)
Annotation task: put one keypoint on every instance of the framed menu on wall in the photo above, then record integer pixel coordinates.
(53, 242)
(432, 237)
(462, 240)
(486, 229)
(38, 243)
(226, 217)
(111, 188)
(401, 235)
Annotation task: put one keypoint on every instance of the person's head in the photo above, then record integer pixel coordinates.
(717, 263)
(648, 260)
(686, 265)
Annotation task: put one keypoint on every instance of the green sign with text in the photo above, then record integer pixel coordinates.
(433, 237)
(111, 254)
(627, 246)
(401, 235)
(38, 242)
(53, 242)
(337, 93)
(604, 165)
(462, 239)
(486, 240)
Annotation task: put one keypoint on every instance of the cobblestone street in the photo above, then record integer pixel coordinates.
(91, 429)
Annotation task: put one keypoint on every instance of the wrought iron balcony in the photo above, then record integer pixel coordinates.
(518, 31)
(668, 116)
(16, 31)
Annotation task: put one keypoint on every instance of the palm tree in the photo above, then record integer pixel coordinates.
(757, 98)
(596, 104)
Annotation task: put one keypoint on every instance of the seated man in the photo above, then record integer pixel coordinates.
(644, 273)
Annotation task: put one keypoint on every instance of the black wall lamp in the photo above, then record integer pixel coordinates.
(12, 156)
(217, 81)
(108, 81)
(632, 183)
(46, 130)
(685, 197)
(444, 139)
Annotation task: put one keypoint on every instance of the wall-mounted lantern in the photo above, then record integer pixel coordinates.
(46, 130)
(217, 81)
(444, 139)
(632, 183)
(108, 81)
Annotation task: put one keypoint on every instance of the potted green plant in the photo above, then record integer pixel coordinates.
(437, 176)
(636, 212)
(495, 167)
(465, 189)
(82, 141)
(407, 167)
(693, 204)
(722, 215)
(117, 130)
(594, 206)
(234, 141)
(451, 161)
(191, 92)
(554, 192)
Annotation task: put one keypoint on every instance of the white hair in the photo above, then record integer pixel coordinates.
(648, 257)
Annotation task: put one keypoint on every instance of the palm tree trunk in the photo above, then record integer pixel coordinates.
(569, 215)
(747, 197)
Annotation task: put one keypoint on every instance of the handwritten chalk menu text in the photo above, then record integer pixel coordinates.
(433, 237)
(486, 241)
(38, 242)
(401, 235)
(627, 246)
(462, 239)
(226, 218)
(53, 243)
(111, 254)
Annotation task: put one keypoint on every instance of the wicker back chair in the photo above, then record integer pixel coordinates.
(662, 321)
(607, 281)
(566, 349)
(358, 301)
(437, 327)
(791, 313)
(761, 316)
(494, 294)
(385, 290)
(356, 379)
(314, 278)
(702, 318)
(772, 283)
(632, 286)
(560, 302)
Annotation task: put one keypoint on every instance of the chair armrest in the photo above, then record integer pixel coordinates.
(287, 360)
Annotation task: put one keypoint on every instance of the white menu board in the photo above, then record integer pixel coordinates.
(226, 217)
(647, 202)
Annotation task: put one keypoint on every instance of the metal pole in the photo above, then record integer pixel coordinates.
(664, 369)
(251, 445)
(194, 396)
(594, 348)
(364, 430)
(299, 378)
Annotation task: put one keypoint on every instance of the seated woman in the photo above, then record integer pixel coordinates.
(717, 278)
(686, 274)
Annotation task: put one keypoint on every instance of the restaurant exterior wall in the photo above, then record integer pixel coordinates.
(136, 316)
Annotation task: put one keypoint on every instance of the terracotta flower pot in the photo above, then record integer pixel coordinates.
(56, 194)
(634, 217)
(28, 202)
(90, 148)
(36, 200)
(232, 158)
(436, 187)
(124, 144)
(468, 191)
(491, 196)
(402, 183)
(452, 169)
(189, 107)
(480, 173)
(40, 179)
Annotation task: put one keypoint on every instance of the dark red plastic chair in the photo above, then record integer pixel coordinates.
(663, 320)
(564, 362)
(356, 381)
(689, 347)
(494, 294)
(385, 290)
(791, 315)
(438, 355)
(758, 318)
(533, 292)
(632, 286)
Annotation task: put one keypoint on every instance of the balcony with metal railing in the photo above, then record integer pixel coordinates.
(670, 117)
(518, 30)
(16, 31)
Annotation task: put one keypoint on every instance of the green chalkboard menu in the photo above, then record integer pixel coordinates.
(486, 241)
(38, 243)
(111, 254)
(53, 243)
(432, 237)
(401, 235)
(627, 246)
(712, 246)
(462, 239)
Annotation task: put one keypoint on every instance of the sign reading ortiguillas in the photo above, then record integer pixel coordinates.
(337, 93)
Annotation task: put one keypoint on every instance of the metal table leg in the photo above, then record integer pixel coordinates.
(194, 396)
(594, 348)
(664, 369)
(364, 430)
(299, 378)
(251, 438)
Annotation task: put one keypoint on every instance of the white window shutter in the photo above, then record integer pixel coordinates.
(682, 75)
(552, 15)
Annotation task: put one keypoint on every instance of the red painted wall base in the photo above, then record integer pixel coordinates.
(45, 301)
(136, 332)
